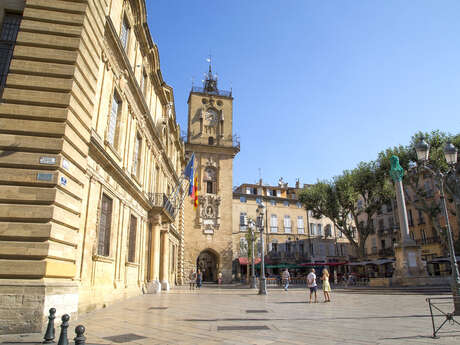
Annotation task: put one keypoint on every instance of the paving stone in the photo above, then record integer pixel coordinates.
(204, 317)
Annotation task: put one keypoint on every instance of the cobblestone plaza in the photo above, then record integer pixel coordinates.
(239, 316)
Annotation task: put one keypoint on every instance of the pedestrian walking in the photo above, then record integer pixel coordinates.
(219, 278)
(311, 283)
(286, 277)
(199, 279)
(326, 286)
(192, 279)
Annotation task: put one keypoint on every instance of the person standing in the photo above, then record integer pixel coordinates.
(192, 279)
(199, 279)
(219, 278)
(311, 283)
(326, 286)
(286, 277)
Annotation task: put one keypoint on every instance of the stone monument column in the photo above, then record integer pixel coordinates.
(407, 253)
(164, 273)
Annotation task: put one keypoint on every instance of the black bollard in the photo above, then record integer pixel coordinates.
(49, 335)
(80, 339)
(63, 336)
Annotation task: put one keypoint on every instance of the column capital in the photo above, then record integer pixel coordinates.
(165, 227)
(156, 219)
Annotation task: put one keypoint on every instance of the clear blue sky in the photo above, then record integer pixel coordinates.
(318, 86)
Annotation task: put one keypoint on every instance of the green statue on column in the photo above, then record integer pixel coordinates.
(396, 171)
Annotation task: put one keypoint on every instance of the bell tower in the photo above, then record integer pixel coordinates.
(208, 227)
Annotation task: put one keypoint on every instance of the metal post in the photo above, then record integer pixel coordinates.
(63, 340)
(253, 272)
(80, 339)
(49, 335)
(455, 283)
(262, 284)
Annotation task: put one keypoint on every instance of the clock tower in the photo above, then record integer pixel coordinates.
(208, 227)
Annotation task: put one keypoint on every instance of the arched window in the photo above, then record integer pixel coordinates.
(210, 180)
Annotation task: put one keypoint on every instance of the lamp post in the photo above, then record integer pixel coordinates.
(260, 224)
(450, 154)
(253, 273)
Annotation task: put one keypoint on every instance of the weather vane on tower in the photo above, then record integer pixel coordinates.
(210, 81)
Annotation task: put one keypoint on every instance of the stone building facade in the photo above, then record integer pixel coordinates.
(89, 153)
(422, 229)
(291, 235)
(208, 230)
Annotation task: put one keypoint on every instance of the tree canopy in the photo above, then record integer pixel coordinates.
(351, 199)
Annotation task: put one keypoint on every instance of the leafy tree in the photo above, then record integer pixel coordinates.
(338, 200)
(247, 249)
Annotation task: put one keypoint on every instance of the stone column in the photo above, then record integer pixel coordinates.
(154, 285)
(402, 214)
(164, 275)
(409, 268)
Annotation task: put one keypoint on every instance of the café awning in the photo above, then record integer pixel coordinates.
(244, 260)
(372, 262)
(438, 260)
(323, 264)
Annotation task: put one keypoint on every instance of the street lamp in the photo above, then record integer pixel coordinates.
(253, 273)
(260, 223)
(450, 154)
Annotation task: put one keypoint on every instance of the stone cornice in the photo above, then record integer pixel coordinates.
(200, 148)
(236, 195)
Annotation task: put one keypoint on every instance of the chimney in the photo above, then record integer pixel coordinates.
(260, 182)
(297, 183)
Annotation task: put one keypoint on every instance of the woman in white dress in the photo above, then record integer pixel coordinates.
(326, 285)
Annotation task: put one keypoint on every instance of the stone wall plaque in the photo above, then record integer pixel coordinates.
(48, 160)
(44, 177)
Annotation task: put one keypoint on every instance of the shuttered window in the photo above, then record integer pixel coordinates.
(112, 133)
(132, 239)
(105, 223)
(8, 35)
(300, 226)
(137, 155)
(243, 226)
(287, 224)
(273, 223)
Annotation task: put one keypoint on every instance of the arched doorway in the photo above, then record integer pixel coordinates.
(207, 262)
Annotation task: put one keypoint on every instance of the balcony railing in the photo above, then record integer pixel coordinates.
(216, 92)
(160, 200)
(387, 252)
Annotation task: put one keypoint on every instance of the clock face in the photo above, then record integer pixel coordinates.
(211, 115)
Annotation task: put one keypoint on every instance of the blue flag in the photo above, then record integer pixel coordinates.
(189, 172)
